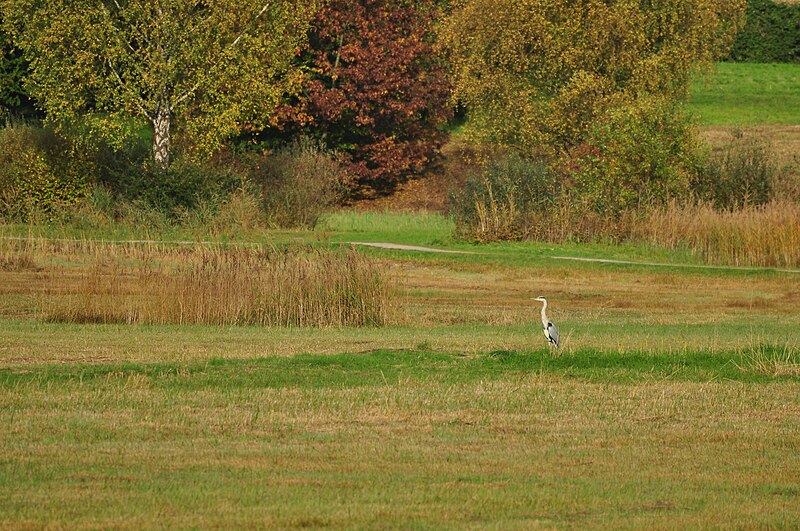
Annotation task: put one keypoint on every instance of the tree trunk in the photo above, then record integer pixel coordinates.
(161, 138)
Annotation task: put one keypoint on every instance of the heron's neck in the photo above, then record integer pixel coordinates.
(544, 315)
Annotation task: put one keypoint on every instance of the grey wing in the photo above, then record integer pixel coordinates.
(552, 333)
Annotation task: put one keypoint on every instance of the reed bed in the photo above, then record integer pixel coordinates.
(301, 286)
(764, 235)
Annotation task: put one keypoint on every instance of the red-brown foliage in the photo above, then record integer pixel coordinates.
(376, 90)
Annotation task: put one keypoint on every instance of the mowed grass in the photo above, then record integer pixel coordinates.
(673, 403)
(402, 439)
(747, 94)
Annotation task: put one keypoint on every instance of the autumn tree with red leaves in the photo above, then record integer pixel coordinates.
(375, 89)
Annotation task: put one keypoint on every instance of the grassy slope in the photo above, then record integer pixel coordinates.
(748, 94)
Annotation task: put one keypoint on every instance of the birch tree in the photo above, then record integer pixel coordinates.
(201, 69)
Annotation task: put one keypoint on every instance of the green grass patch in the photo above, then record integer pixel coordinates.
(390, 367)
(418, 228)
(748, 94)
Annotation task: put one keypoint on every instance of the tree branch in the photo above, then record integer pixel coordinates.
(197, 85)
(236, 40)
(137, 99)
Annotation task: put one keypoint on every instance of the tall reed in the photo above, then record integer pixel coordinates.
(237, 286)
(763, 235)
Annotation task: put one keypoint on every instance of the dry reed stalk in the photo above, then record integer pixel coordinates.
(766, 235)
(16, 256)
(239, 286)
(497, 220)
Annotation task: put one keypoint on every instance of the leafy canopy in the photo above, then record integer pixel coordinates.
(536, 73)
(211, 65)
(12, 70)
(376, 90)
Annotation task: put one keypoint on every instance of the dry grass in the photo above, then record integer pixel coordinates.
(449, 431)
(767, 235)
(523, 451)
(216, 285)
(773, 362)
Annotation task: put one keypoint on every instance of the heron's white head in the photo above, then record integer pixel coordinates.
(540, 299)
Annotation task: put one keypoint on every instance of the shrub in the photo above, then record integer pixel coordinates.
(638, 154)
(40, 172)
(498, 202)
(741, 174)
(184, 186)
(299, 183)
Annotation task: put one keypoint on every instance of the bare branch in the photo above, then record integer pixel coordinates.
(123, 42)
(186, 94)
(236, 40)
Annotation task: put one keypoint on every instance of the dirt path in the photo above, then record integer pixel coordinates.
(402, 247)
(662, 264)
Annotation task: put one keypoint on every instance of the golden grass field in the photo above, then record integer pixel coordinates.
(674, 402)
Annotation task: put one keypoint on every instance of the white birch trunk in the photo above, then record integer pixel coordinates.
(161, 122)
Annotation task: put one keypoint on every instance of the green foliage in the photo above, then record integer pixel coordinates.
(498, 203)
(594, 88)
(299, 183)
(12, 69)
(184, 186)
(770, 35)
(740, 175)
(536, 74)
(210, 66)
(638, 154)
(39, 173)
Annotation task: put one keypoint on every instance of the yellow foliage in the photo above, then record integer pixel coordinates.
(209, 66)
(538, 72)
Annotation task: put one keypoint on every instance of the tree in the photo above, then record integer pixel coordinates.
(537, 73)
(205, 66)
(12, 70)
(771, 34)
(594, 87)
(376, 89)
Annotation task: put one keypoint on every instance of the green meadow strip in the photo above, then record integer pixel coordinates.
(388, 367)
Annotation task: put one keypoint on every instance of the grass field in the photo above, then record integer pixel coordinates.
(673, 403)
(744, 94)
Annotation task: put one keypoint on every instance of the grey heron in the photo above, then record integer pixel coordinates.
(550, 330)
